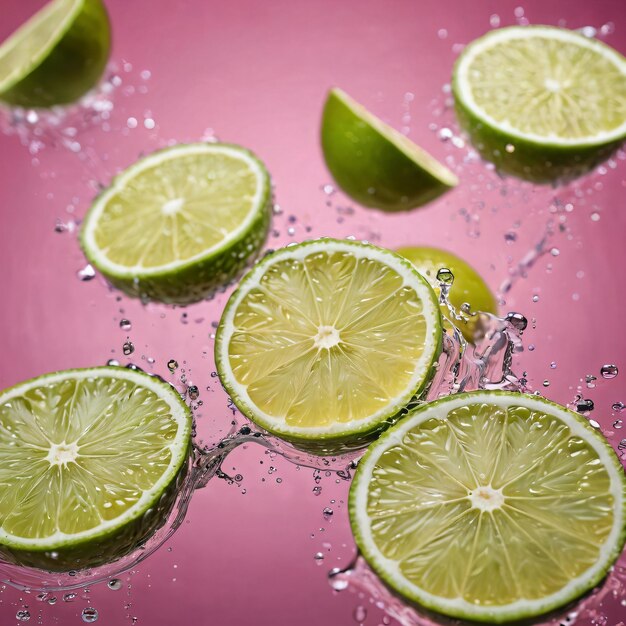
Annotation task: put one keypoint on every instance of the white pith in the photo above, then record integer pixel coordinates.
(299, 252)
(61, 453)
(495, 37)
(458, 606)
(91, 223)
(24, 31)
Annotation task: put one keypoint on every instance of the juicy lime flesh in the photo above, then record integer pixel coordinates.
(176, 209)
(330, 338)
(17, 52)
(549, 87)
(79, 452)
(489, 505)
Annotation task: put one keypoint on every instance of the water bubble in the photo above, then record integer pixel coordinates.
(125, 324)
(360, 614)
(494, 20)
(590, 381)
(517, 320)
(445, 276)
(535, 298)
(618, 407)
(113, 363)
(510, 236)
(317, 490)
(609, 371)
(338, 584)
(193, 392)
(131, 122)
(618, 424)
(445, 134)
(595, 216)
(69, 597)
(510, 148)
(86, 273)
(594, 424)
(531, 347)
(329, 190)
(607, 29)
(555, 252)
(115, 584)
(442, 33)
(588, 31)
(327, 513)
(128, 348)
(584, 405)
(172, 365)
(22, 616)
(149, 123)
(519, 12)
(546, 383)
(553, 365)
(318, 556)
(89, 615)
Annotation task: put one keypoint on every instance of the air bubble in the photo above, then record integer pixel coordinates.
(609, 371)
(360, 614)
(86, 273)
(89, 615)
(172, 365)
(517, 320)
(115, 584)
(22, 616)
(193, 392)
(125, 324)
(128, 348)
(445, 276)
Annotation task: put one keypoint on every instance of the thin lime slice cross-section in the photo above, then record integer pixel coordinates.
(324, 342)
(180, 222)
(90, 464)
(468, 287)
(490, 506)
(57, 55)
(375, 164)
(542, 103)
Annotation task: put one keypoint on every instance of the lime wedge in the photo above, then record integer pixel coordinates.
(375, 164)
(57, 56)
(325, 341)
(180, 222)
(468, 287)
(90, 464)
(490, 506)
(542, 103)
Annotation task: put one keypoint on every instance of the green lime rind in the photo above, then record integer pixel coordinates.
(373, 163)
(128, 534)
(69, 65)
(199, 278)
(541, 162)
(324, 444)
(487, 616)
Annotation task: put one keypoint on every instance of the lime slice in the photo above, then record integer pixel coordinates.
(90, 464)
(180, 222)
(490, 506)
(373, 163)
(324, 342)
(542, 103)
(57, 56)
(468, 286)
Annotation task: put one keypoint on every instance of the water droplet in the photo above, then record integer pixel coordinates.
(149, 123)
(590, 381)
(517, 320)
(172, 365)
(329, 190)
(609, 371)
(494, 20)
(510, 236)
(555, 252)
(69, 597)
(22, 616)
(52, 600)
(607, 29)
(445, 276)
(128, 348)
(618, 424)
(546, 383)
(86, 273)
(115, 584)
(318, 556)
(445, 134)
(193, 392)
(618, 407)
(595, 217)
(531, 347)
(553, 365)
(131, 122)
(125, 324)
(442, 33)
(327, 513)
(584, 405)
(89, 615)
(588, 31)
(535, 298)
(317, 490)
(360, 614)
(510, 148)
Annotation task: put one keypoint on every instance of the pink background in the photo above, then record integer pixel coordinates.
(256, 73)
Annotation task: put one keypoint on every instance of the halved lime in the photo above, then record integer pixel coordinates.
(90, 464)
(542, 103)
(490, 506)
(57, 56)
(180, 222)
(468, 287)
(324, 342)
(375, 164)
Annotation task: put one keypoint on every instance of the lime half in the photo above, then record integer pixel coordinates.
(90, 462)
(542, 103)
(325, 341)
(375, 164)
(468, 287)
(180, 222)
(490, 506)
(57, 56)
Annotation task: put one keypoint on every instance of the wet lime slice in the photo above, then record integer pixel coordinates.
(490, 506)
(57, 56)
(325, 341)
(542, 103)
(468, 286)
(180, 222)
(90, 462)
(375, 164)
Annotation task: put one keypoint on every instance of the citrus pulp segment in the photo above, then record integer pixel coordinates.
(90, 465)
(57, 55)
(324, 342)
(490, 506)
(375, 164)
(181, 222)
(542, 103)
(468, 286)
